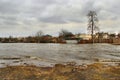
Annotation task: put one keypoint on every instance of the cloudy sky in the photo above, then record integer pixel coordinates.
(26, 17)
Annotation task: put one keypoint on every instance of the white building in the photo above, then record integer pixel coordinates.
(102, 35)
(83, 36)
(71, 41)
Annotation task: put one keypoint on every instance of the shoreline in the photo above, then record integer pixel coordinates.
(69, 71)
(40, 62)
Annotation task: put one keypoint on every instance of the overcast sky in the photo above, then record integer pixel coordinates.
(25, 17)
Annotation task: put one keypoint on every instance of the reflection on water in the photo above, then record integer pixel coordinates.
(46, 54)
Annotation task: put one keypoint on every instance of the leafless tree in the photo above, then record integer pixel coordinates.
(39, 35)
(64, 33)
(92, 24)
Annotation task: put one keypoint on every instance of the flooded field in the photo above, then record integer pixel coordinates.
(50, 54)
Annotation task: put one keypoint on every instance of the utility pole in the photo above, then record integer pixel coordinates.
(92, 24)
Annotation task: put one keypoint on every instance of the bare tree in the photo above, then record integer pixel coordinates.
(39, 35)
(64, 33)
(92, 24)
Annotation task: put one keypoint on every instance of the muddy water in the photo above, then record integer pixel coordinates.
(50, 54)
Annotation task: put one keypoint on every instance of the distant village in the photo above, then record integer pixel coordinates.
(64, 37)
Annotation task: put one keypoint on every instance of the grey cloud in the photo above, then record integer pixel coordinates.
(9, 7)
(62, 14)
(50, 2)
(56, 20)
(114, 18)
(12, 18)
(45, 1)
(31, 13)
(11, 23)
(89, 5)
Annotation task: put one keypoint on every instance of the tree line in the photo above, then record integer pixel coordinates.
(41, 37)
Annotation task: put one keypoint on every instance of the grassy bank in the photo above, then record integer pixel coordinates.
(70, 71)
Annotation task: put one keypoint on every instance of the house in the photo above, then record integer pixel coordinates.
(83, 36)
(102, 35)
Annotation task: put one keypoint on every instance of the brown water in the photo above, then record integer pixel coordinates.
(49, 54)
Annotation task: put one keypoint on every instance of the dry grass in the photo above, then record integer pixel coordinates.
(61, 72)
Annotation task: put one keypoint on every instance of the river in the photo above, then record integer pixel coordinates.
(50, 54)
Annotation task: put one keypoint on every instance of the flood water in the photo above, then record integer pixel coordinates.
(50, 54)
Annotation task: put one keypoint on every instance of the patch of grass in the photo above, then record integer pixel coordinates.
(61, 72)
